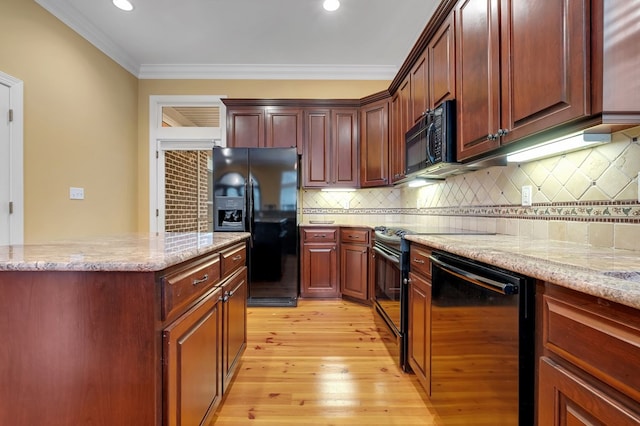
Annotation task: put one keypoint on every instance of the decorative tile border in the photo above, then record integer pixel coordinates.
(600, 211)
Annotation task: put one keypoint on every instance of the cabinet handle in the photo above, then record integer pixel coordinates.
(232, 292)
(236, 257)
(201, 280)
(320, 236)
(420, 261)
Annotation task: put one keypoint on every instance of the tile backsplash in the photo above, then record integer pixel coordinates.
(588, 196)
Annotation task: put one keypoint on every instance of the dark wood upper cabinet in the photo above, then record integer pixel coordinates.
(442, 70)
(284, 128)
(420, 87)
(245, 127)
(521, 68)
(399, 122)
(374, 144)
(330, 154)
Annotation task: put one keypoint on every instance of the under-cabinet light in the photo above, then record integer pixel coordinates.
(418, 182)
(123, 5)
(338, 189)
(559, 146)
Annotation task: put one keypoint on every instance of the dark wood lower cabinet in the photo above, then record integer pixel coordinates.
(420, 329)
(235, 324)
(193, 376)
(566, 399)
(354, 266)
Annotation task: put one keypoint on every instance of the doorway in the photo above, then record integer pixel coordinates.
(11, 161)
(183, 131)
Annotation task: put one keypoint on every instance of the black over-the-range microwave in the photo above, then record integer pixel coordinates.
(430, 145)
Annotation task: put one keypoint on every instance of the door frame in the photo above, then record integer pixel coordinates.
(16, 157)
(174, 138)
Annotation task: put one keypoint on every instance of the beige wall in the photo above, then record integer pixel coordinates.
(80, 127)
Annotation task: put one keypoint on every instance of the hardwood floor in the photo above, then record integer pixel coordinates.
(322, 363)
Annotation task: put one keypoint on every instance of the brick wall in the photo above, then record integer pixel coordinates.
(186, 191)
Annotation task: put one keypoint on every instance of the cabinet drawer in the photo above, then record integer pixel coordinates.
(419, 261)
(322, 235)
(233, 258)
(354, 236)
(604, 344)
(181, 288)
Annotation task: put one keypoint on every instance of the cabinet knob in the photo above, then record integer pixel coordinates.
(502, 132)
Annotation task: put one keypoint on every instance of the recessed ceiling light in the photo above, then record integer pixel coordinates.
(123, 5)
(331, 5)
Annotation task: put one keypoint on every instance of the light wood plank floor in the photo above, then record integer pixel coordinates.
(322, 363)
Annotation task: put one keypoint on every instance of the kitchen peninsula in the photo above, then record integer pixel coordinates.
(130, 330)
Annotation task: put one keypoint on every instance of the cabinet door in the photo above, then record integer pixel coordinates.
(319, 276)
(544, 56)
(565, 399)
(400, 123)
(234, 340)
(316, 152)
(419, 87)
(344, 141)
(477, 76)
(245, 127)
(442, 71)
(192, 363)
(420, 329)
(354, 266)
(374, 145)
(284, 128)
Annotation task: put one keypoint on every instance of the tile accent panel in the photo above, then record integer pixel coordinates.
(586, 196)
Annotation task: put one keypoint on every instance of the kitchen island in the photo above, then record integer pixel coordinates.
(130, 330)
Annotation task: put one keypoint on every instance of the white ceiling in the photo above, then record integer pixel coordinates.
(278, 39)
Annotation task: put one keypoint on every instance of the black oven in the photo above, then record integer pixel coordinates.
(391, 293)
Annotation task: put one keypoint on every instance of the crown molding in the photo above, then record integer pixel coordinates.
(77, 22)
(74, 20)
(267, 72)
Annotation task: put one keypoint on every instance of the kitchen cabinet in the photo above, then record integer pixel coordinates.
(354, 263)
(420, 87)
(521, 68)
(264, 127)
(419, 345)
(374, 144)
(193, 377)
(400, 122)
(330, 153)
(442, 70)
(319, 257)
(234, 331)
(590, 353)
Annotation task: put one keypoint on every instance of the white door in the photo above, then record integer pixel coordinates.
(5, 165)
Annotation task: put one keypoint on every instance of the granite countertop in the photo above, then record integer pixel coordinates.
(133, 252)
(611, 274)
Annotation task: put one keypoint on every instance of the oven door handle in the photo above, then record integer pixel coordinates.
(488, 283)
(387, 256)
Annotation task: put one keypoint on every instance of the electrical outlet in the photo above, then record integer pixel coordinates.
(345, 204)
(76, 193)
(526, 195)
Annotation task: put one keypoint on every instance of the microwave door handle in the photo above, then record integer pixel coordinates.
(430, 131)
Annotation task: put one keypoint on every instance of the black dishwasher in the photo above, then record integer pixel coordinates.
(482, 347)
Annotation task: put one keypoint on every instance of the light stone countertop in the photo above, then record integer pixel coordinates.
(132, 252)
(611, 274)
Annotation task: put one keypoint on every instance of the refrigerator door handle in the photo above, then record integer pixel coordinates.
(248, 210)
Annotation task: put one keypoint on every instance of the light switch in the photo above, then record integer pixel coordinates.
(76, 193)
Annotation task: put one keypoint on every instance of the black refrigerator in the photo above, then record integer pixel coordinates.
(255, 190)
